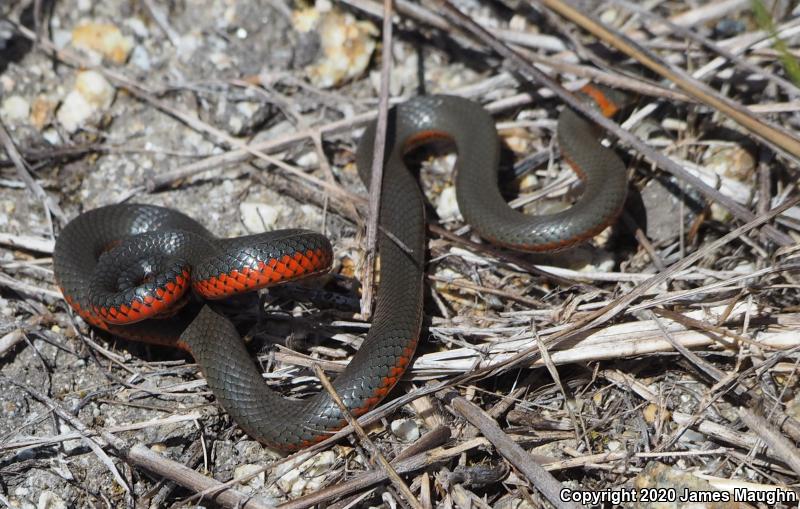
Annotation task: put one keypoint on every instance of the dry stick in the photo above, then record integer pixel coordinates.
(22, 171)
(376, 454)
(708, 12)
(368, 418)
(778, 444)
(541, 479)
(241, 154)
(28, 242)
(163, 23)
(697, 89)
(506, 256)
(699, 324)
(201, 126)
(551, 368)
(457, 283)
(280, 143)
(626, 137)
(8, 341)
(411, 456)
(188, 478)
(376, 172)
(716, 393)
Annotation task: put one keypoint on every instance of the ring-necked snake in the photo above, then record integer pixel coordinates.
(133, 264)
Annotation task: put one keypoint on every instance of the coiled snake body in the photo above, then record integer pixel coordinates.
(123, 267)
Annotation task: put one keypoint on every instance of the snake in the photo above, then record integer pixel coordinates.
(134, 270)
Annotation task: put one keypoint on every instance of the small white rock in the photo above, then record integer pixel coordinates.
(447, 206)
(49, 500)
(69, 445)
(95, 88)
(74, 111)
(347, 45)
(247, 108)
(187, 46)
(235, 124)
(51, 136)
(140, 58)
(405, 430)
(306, 477)
(138, 27)
(255, 482)
(15, 108)
(309, 159)
(92, 93)
(259, 217)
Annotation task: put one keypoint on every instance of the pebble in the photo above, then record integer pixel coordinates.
(92, 93)
(103, 39)
(61, 38)
(51, 136)
(447, 206)
(70, 445)
(187, 45)
(15, 108)
(140, 58)
(159, 448)
(247, 469)
(405, 430)
(22, 503)
(653, 412)
(42, 111)
(307, 477)
(663, 210)
(49, 500)
(730, 160)
(138, 27)
(259, 217)
(346, 44)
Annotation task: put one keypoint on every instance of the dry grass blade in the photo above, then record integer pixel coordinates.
(376, 178)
